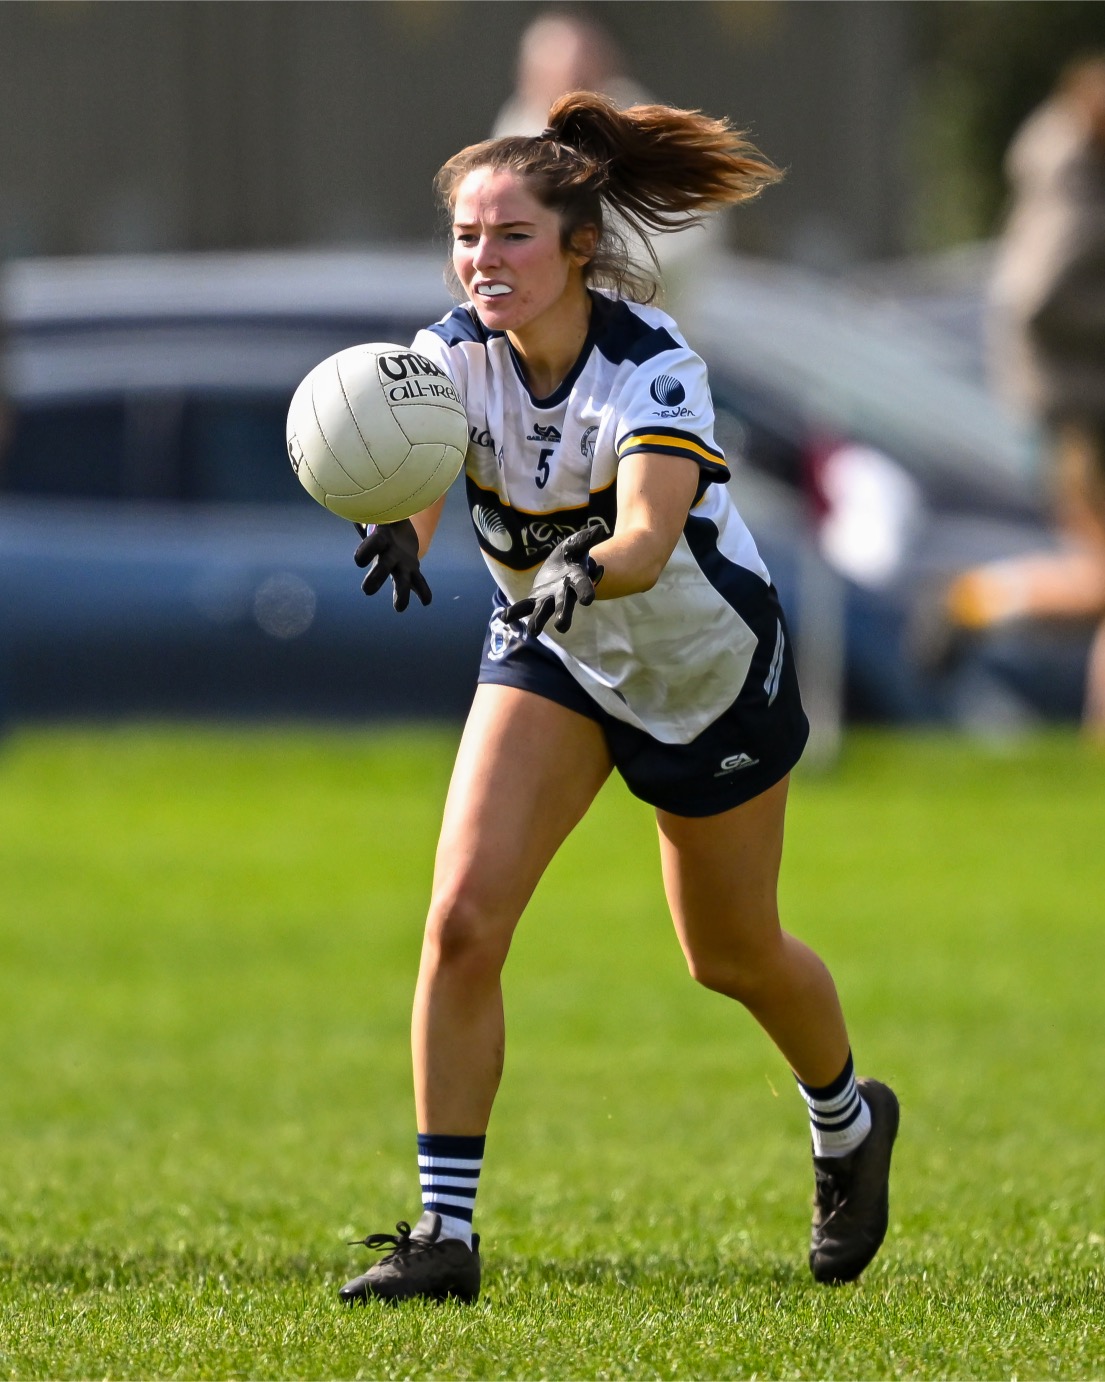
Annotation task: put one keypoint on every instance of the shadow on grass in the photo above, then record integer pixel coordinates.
(954, 1281)
(80, 1269)
(647, 1273)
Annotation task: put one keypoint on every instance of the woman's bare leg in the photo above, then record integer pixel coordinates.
(721, 874)
(526, 771)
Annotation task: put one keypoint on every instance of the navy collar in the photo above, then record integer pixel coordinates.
(564, 388)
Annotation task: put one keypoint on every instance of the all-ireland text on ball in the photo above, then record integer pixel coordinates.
(376, 433)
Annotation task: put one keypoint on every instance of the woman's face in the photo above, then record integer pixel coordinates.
(507, 252)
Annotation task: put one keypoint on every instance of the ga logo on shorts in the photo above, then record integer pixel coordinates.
(735, 762)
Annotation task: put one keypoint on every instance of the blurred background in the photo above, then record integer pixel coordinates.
(198, 201)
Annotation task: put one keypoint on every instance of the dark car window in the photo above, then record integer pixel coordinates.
(216, 449)
(233, 450)
(75, 450)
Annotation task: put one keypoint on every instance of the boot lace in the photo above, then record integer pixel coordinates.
(831, 1192)
(400, 1242)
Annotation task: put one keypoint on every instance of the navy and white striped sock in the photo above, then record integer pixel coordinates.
(839, 1119)
(449, 1169)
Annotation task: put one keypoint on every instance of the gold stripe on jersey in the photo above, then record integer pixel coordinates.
(669, 442)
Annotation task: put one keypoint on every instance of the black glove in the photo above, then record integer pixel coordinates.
(566, 577)
(392, 548)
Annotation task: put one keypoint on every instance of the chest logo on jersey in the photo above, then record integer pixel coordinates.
(519, 539)
(491, 528)
(533, 539)
(587, 444)
(540, 433)
(540, 535)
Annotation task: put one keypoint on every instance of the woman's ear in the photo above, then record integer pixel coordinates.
(584, 243)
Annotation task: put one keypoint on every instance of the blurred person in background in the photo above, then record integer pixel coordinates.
(562, 51)
(558, 52)
(1047, 349)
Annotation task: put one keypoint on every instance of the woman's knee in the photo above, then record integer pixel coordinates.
(464, 933)
(740, 973)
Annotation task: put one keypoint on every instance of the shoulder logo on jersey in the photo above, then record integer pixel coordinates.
(491, 528)
(587, 444)
(666, 390)
(549, 433)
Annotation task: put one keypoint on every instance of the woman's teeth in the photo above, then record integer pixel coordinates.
(492, 290)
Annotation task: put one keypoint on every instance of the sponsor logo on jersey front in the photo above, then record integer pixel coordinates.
(521, 540)
(547, 434)
(491, 528)
(540, 535)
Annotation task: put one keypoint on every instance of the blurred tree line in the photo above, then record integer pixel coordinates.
(984, 64)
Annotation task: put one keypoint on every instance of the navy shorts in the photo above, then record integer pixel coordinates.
(747, 749)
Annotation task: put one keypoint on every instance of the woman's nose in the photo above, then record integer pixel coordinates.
(486, 253)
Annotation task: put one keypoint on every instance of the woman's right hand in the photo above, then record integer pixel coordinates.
(392, 550)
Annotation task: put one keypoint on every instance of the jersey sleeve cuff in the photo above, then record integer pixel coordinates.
(670, 441)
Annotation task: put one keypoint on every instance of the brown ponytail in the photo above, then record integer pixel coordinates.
(651, 168)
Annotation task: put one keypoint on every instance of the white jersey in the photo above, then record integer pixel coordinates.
(668, 660)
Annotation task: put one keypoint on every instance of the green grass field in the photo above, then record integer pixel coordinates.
(207, 948)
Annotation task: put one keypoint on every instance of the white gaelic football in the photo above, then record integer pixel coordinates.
(376, 433)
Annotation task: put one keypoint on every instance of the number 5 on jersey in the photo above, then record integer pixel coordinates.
(542, 478)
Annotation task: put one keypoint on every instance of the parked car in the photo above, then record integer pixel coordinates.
(157, 555)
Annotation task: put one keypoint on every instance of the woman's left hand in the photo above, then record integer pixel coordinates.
(566, 577)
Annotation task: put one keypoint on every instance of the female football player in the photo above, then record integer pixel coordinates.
(635, 628)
